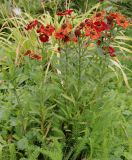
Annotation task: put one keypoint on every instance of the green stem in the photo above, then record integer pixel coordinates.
(66, 66)
(66, 72)
(15, 93)
(17, 97)
(79, 67)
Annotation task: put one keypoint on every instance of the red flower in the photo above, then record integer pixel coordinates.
(31, 25)
(66, 12)
(48, 30)
(99, 16)
(59, 35)
(121, 21)
(62, 36)
(112, 54)
(37, 57)
(77, 32)
(89, 22)
(28, 52)
(119, 18)
(92, 33)
(33, 55)
(100, 26)
(110, 21)
(82, 25)
(99, 42)
(74, 39)
(113, 15)
(66, 27)
(109, 50)
(44, 38)
(66, 38)
(41, 29)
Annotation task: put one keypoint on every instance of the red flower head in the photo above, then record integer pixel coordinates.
(100, 26)
(74, 39)
(121, 21)
(31, 25)
(99, 42)
(44, 38)
(89, 22)
(99, 16)
(77, 32)
(111, 51)
(65, 13)
(41, 29)
(113, 15)
(33, 55)
(37, 57)
(28, 52)
(92, 33)
(110, 21)
(62, 36)
(66, 38)
(59, 35)
(66, 27)
(48, 30)
(82, 25)
(119, 18)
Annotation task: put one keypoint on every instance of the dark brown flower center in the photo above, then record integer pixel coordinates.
(82, 24)
(64, 26)
(122, 21)
(93, 33)
(98, 14)
(98, 24)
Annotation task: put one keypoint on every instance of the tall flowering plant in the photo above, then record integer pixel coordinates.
(97, 31)
(61, 88)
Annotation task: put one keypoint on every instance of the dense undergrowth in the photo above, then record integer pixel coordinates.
(65, 92)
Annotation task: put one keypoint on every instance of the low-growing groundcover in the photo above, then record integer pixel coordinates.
(64, 94)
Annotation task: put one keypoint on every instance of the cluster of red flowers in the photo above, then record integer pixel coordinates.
(97, 28)
(44, 33)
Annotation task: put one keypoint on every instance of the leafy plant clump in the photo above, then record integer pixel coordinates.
(64, 94)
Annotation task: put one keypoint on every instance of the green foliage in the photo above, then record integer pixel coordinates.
(124, 6)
